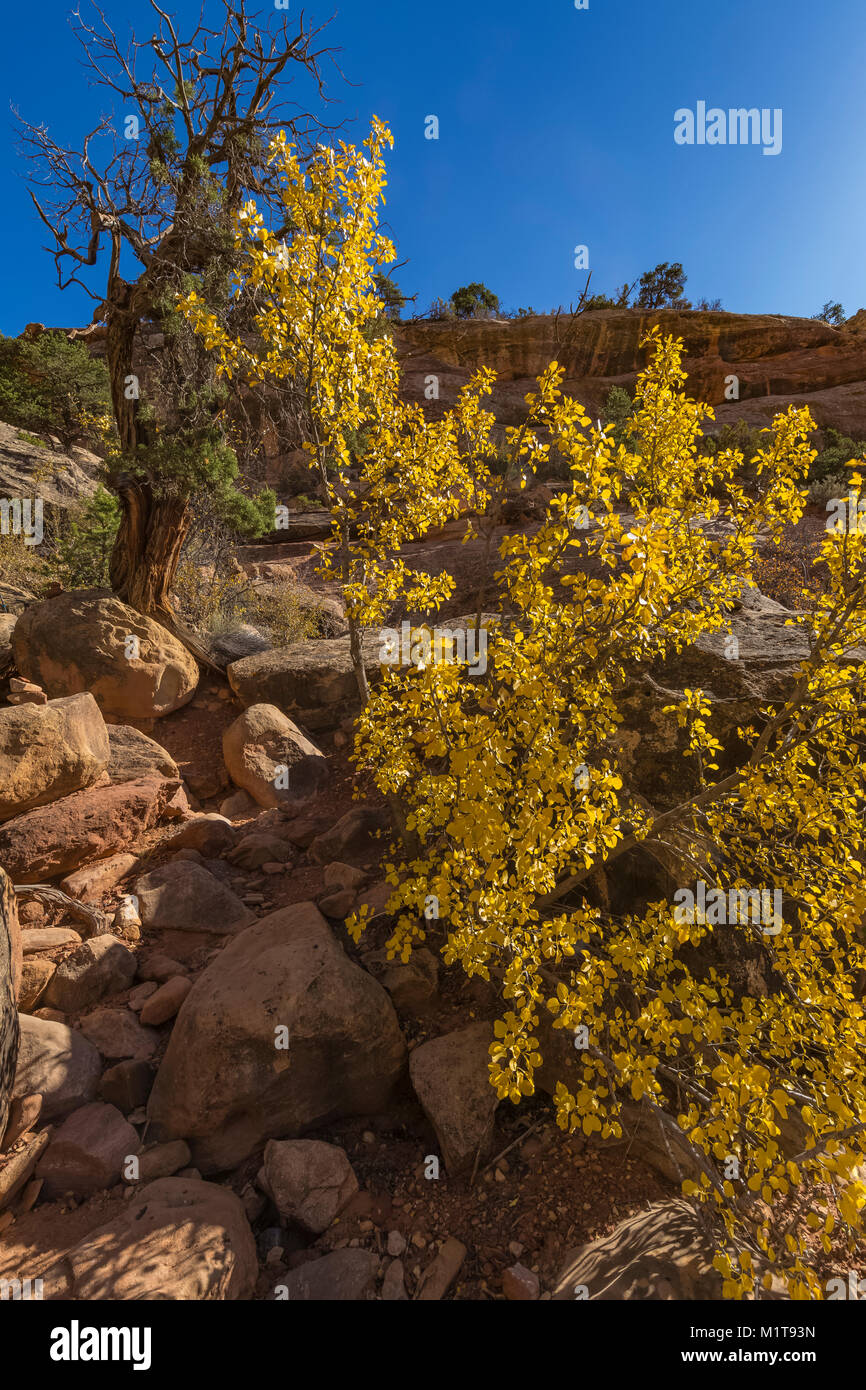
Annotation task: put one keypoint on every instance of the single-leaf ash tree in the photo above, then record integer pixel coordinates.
(730, 1038)
(142, 209)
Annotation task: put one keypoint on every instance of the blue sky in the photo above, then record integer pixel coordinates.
(556, 129)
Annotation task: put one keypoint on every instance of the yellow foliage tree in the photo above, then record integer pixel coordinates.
(510, 782)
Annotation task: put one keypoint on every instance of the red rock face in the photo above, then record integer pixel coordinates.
(777, 360)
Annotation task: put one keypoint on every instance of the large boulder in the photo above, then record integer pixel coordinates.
(56, 1063)
(184, 896)
(48, 751)
(268, 756)
(179, 1238)
(280, 1034)
(739, 677)
(314, 682)
(91, 824)
(663, 1254)
(133, 755)
(83, 640)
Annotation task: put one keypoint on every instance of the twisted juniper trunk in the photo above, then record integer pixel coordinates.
(147, 549)
(152, 529)
(10, 979)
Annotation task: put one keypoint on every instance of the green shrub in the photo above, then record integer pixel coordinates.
(474, 301)
(662, 287)
(53, 386)
(83, 553)
(838, 450)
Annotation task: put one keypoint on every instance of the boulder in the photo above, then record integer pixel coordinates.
(87, 1151)
(178, 1238)
(228, 1082)
(239, 806)
(91, 882)
(761, 669)
(268, 756)
(209, 833)
(663, 1253)
(48, 751)
(246, 640)
(162, 1160)
(99, 966)
(344, 1276)
(18, 1168)
(59, 1064)
(260, 847)
(412, 985)
(35, 974)
(353, 836)
(309, 1182)
(119, 1035)
(133, 755)
(48, 939)
(82, 641)
(186, 897)
(314, 682)
(451, 1080)
(127, 1085)
(91, 824)
(159, 968)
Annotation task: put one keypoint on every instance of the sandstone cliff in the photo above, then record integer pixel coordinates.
(777, 360)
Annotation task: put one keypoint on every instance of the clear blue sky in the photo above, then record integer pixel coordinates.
(556, 129)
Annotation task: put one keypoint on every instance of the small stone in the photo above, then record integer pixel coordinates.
(164, 1004)
(127, 1085)
(396, 1243)
(163, 1160)
(394, 1283)
(337, 905)
(520, 1285)
(441, 1273)
(140, 994)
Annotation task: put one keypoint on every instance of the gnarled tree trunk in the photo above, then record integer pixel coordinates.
(147, 549)
(10, 981)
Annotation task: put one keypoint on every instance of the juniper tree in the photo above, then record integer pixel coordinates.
(143, 208)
